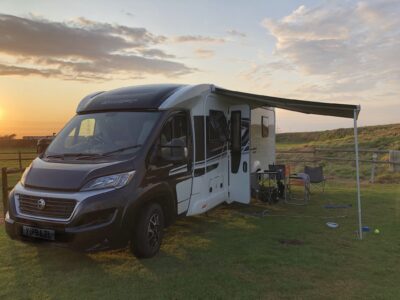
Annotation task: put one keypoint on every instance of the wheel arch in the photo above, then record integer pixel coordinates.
(162, 194)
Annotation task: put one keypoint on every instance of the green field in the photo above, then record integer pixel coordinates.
(232, 252)
(229, 254)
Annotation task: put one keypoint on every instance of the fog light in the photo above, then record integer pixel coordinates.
(97, 217)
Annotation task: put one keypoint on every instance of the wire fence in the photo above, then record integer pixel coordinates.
(370, 158)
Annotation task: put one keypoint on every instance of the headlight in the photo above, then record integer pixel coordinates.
(115, 181)
(23, 177)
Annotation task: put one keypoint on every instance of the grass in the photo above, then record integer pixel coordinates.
(230, 253)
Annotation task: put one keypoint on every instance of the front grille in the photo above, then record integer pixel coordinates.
(54, 207)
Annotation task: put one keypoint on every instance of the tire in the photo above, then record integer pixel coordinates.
(148, 232)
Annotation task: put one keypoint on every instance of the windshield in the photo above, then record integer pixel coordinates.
(103, 134)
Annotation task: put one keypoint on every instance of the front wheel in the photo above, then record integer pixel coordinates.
(148, 231)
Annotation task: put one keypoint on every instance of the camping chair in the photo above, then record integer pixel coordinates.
(301, 180)
(286, 183)
(316, 175)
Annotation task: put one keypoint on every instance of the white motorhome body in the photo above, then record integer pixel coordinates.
(220, 173)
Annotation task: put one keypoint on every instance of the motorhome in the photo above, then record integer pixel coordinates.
(133, 159)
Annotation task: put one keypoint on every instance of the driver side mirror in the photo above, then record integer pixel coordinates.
(174, 151)
(42, 145)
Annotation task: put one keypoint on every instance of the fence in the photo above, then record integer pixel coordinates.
(4, 183)
(315, 155)
(393, 161)
(18, 157)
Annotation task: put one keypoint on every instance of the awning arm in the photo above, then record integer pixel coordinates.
(360, 232)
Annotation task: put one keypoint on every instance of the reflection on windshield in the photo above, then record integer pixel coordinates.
(102, 134)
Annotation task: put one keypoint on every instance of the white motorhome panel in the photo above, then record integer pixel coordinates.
(183, 190)
(262, 138)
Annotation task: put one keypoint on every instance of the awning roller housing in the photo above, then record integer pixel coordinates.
(307, 107)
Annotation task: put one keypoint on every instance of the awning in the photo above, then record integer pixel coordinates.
(307, 107)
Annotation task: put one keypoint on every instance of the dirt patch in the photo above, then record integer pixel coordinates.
(291, 242)
(1, 220)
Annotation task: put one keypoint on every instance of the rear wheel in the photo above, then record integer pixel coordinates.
(148, 232)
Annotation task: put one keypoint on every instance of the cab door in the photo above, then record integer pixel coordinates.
(239, 166)
(173, 159)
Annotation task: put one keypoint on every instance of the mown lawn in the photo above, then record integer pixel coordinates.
(231, 253)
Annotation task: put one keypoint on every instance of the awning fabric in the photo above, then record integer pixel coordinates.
(307, 107)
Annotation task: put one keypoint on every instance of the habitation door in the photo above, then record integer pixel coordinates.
(239, 167)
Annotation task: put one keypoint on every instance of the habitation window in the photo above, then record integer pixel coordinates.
(264, 126)
(217, 131)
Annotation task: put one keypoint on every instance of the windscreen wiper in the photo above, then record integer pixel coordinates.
(121, 149)
(76, 155)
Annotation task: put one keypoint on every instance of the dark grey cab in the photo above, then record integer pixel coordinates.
(105, 181)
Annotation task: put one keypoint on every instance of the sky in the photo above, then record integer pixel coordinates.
(53, 53)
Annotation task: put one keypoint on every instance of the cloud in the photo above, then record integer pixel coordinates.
(236, 33)
(355, 46)
(204, 53)
(83, 49)
(261, 72)
(197, 38)
(155, 53)
(12, 70)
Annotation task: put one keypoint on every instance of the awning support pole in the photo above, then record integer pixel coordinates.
(360, 233)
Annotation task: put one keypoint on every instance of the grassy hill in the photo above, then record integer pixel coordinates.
(385, 137)
(382, 137)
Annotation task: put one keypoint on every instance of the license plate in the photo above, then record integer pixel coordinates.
(46, 234)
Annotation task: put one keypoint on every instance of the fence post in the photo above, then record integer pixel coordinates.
(4, 183)
(20, 160)
(394, 160)
(374, 157)
(314, 156)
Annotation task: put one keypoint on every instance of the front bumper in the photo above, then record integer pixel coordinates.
(79, 232)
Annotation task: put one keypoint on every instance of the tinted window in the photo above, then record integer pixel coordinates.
(218, 129)
(174, 137)
(236, 131)
(199, 137)
(264, 126)
(175, 128)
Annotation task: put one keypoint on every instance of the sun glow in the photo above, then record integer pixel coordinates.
(1, 114)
